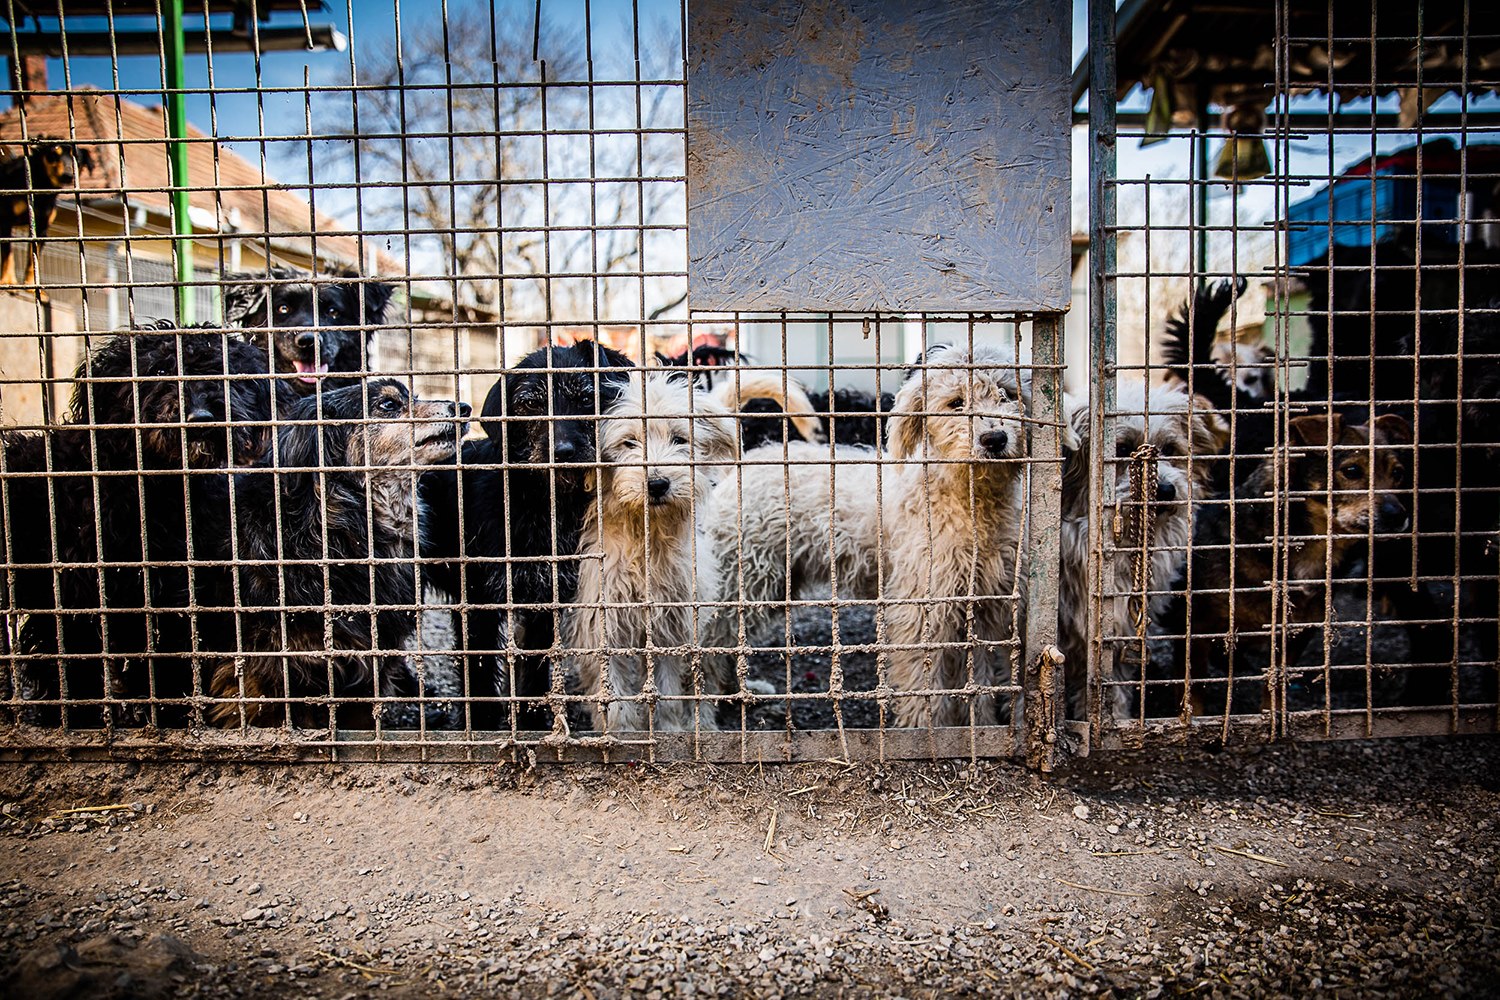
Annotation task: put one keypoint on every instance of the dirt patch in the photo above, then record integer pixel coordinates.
(1350, 869)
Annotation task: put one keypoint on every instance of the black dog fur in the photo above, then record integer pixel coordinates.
(101, 622)
(342, 487)
(542, 411)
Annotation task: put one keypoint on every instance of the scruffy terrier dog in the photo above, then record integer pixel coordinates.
(944, 537)
(1327, 523)
(327, 537)
(502, 530)
(634, 619)
(157, 404)
(1155, 434)
(770, 409)
(310, 325)
(28, 198)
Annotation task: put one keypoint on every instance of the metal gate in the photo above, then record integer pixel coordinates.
(462, 466)
(1291, 531)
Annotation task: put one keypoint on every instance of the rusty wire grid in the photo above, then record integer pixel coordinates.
(323, 499)
(1324, 557)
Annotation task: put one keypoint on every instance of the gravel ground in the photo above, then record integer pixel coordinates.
(1339, 870)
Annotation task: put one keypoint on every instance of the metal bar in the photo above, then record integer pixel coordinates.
(1103, 263)
(172, 55)
(148, 43)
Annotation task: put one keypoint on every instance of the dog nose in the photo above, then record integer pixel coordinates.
(1392, 516)
(1165, 491)
(464, 409)
(305, 340)
(658, 487)
(564, 451)
(994, 442)
(200, 415)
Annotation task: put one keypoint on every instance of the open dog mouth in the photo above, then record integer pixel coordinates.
(310, 373)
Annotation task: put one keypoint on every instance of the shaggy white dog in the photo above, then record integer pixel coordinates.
(1175, 427)
(931, 528)
(633, 627)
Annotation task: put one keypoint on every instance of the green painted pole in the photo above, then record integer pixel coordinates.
(176, 102)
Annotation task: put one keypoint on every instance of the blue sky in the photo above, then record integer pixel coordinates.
(281, 107)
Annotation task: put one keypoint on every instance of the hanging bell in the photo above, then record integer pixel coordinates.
(1243, 156)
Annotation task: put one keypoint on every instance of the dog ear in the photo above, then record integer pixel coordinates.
(245, 301)
(84, 157)
(1315, 430)
(377, 295)
(1208, 431)
(716, 435)
(662, 359)
(1396, 429)
(1075, 470)
(906, 423)
(1075, 422)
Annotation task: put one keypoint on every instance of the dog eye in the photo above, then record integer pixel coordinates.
(1351, 470)
(283, 309)
(1122, 449)
(332, 313)
(630, 443)
(388, 405)
(956, 404)
(678, 439)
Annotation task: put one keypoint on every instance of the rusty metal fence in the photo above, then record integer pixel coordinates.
(356, 405)
(1291, 529)
(356, 409)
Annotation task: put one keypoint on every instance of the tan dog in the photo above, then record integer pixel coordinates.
(632, 627)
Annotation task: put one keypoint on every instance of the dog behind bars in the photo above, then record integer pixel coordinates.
(503, 526)
(944, 534)
(311, 326)
(324, 564)
(155, 410)
(634, 621)
(1343, 484)
(29, 186)
(1151, 522)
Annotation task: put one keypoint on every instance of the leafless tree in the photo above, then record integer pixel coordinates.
(511, 177)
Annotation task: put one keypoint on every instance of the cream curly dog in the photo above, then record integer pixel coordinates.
(632, 628)
(931, 528)
(1176, 426)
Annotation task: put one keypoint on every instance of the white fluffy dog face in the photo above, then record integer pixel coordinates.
(961, 407)
(1174, 427)
(652, 439)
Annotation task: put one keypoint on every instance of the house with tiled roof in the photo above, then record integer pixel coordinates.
(107, 261)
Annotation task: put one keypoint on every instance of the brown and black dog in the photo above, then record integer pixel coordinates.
(28, 198)
(327, 540)
(1343, 483)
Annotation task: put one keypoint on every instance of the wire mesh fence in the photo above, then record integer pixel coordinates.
(1298, 505)
(357, 409)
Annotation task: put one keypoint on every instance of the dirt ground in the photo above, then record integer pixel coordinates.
(1340, 870)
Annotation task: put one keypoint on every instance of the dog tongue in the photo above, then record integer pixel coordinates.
(309, 372)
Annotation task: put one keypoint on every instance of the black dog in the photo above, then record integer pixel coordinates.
(532, 475)
(309, 325)
(112, 626)
(326, 545)
(852, 416)
(28, 197)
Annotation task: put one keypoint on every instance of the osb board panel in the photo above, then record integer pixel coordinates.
(878, 155)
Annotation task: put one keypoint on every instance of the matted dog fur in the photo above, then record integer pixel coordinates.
(932, 528)
(635, 620)
(1177, 426)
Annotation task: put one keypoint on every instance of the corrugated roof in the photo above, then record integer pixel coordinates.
(127, 140)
